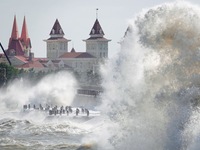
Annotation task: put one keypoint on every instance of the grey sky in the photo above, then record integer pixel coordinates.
(75, 16)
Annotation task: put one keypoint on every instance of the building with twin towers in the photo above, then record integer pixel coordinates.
(58, 56)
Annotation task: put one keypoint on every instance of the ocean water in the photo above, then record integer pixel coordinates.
(37, 130)
(150, 100)
(34, 129)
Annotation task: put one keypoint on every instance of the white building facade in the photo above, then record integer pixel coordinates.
(57, 45)
(96, 44)
(81, 62)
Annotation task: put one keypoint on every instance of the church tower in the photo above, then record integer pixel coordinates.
(57, 45)
(15, 47)
(96, 44)
(25, 40)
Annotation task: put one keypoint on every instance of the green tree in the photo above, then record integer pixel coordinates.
(7, 73)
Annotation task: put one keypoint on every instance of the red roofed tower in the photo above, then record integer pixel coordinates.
(15, 34)
(15, 47)
(96, 44)
(57, 45)
(25, 40)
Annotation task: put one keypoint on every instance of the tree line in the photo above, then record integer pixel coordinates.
(9, 73)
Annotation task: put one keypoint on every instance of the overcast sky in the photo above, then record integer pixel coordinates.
(76, 18)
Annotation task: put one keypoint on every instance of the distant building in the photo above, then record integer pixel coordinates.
(96, 44)
(58, 55)
(19, 46)
(19, 49)
(81, 62)
(57, 45)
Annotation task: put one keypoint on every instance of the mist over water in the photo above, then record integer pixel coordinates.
(35, 129)
(152, 86)
(54, 89)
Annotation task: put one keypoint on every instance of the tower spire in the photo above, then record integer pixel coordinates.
(15, 46)
(56, 31)
(14, 34)
(24, 34)
(25, 40)
(96, 30)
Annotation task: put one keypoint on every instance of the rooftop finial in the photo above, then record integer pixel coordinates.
(97, 13)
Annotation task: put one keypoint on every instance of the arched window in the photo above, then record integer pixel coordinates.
(100, 31)
(93, 31)
(60, 31)
(53, 31)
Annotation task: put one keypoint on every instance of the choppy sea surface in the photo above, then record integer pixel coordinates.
(35, 130)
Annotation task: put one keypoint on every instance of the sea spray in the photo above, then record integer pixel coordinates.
(54, 89)
(152, 87)
(128, 102)
(34, 129)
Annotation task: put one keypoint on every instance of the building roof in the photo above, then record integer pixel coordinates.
(73, 50)
(22, 58)
(57, 33)
(32, 64)
(58, 38)
(74, 54)
(26, 59)
(96, 29)
(85, 55)
(56, 29)
(43, 61)
(56, 61)
(98, 38)
(24, 35)
(97, 33)
(15, 47)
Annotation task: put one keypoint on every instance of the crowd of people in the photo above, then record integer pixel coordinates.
(55, 110)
